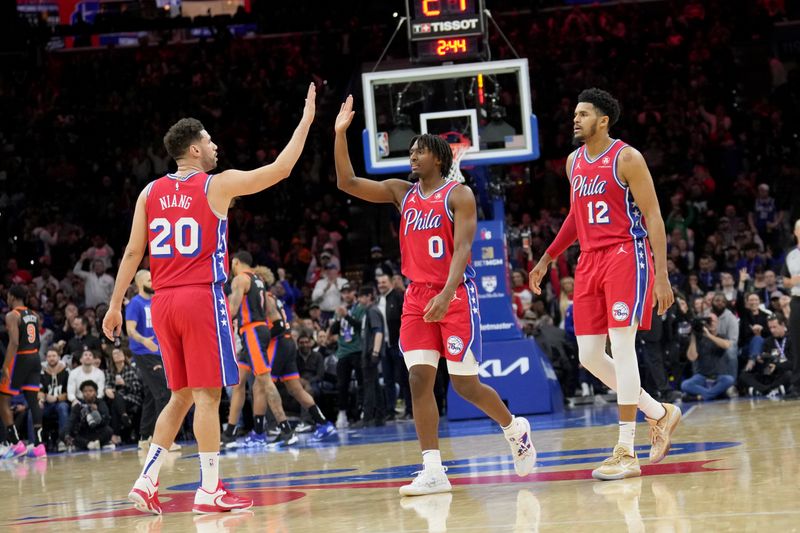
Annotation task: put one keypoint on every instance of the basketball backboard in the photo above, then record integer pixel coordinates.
(488, 103)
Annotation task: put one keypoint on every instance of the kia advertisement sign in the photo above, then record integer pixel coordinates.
(520, 373)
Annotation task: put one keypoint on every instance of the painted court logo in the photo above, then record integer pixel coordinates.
(620, 311)
(271, 489)
(454, 345)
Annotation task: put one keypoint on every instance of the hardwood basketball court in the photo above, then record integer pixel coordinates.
(734, 466)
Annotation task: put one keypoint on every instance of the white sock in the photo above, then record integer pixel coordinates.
(152, 465)
(510, 427)
(627, 434)
(651, 408)
(431, 459)
(209, 471)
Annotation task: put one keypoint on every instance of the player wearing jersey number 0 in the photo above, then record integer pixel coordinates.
(440, 311)
(614, 214)
(182, 216)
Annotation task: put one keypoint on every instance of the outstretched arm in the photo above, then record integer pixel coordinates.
(227, 185)
(134, 251)
(633, 170)
(391, 191)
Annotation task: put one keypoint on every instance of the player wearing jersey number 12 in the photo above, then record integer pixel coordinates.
(440, 310)
(185, 214)
(614, 214)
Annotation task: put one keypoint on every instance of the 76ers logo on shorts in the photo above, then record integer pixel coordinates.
(454, 345)
(620, 311)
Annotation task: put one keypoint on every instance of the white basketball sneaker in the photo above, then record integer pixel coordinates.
(522, 450)
(144, 496)
(219, 501)
(430, 480)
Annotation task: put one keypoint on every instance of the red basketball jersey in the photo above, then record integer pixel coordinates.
(603, 207)
(426, 236)
(188, 241)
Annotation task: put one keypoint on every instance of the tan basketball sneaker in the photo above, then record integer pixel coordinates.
(661, 432)
(622, 464)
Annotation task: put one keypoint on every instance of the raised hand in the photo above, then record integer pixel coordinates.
(311, 105)
(345, 116)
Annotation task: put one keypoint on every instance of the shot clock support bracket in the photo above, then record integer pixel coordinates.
(400, 23)
(503, 35)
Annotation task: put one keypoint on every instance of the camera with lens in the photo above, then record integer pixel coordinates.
(699, 324)
(91, 416)
(770, 358)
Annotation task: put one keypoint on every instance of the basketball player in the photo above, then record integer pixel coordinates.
(21, 370)
(263, 331)
(440, 311)
(183, 218)
(615, 216)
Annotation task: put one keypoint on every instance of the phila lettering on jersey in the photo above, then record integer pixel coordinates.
(426, 236)
(187, 239)
(604, 209)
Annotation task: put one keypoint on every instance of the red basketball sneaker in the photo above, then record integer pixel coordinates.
(144, 496)
(219, 501)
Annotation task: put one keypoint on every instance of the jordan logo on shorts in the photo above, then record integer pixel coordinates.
(621, 249)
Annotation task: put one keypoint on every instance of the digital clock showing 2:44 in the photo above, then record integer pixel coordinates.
(448, 48)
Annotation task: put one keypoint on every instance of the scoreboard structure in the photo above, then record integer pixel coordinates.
(446, 30)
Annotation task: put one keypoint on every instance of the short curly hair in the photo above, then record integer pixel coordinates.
(603, 102)
(181, 135)
(439, 147)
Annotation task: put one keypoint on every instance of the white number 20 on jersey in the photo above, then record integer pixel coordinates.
(185, 236)
(598, 213)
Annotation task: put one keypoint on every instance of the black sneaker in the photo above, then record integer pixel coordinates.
(284, 439)
(225, 438)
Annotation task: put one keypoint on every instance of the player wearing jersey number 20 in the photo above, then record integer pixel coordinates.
(182, 217)
(614, 214)
(440, 311)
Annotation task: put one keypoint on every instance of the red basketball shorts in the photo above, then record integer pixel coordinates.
(458, 332)
(194, 331)
(614, 288)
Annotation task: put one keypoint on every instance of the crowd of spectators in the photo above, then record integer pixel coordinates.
(705, 96)
(721, 143)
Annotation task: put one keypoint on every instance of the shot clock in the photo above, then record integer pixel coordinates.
(445, 30)
(448, 48)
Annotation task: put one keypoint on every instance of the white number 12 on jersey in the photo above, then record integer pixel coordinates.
(598, 213)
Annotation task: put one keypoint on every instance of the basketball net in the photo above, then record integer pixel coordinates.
(459, 149)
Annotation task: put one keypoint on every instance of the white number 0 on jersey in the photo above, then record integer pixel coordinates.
(436, 247)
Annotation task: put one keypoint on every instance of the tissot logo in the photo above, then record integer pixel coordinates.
(446, 26)
(493, 368)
